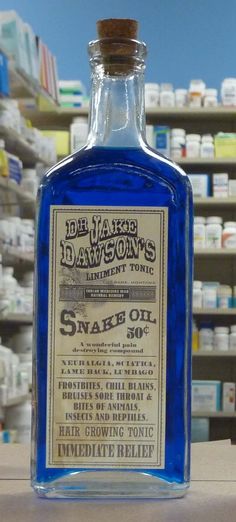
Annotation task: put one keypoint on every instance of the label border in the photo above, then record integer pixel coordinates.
(161, 428)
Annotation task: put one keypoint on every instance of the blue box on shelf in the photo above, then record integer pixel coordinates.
(4, 76)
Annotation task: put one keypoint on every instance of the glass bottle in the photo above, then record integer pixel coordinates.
(111, 393)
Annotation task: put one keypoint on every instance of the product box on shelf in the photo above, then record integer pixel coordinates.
(225, 145)
(12, 38)
(232, 187)
(200, 185)
(228, 396)
(162, 139)
(4, 76)
(220, 185)
(32, 52)
(206, 396)
(72, 93)
(200, 430)
(61, 139)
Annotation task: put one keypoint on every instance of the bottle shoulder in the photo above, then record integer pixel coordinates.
(96, 159)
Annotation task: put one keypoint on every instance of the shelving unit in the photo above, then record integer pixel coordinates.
(214, 354)
(215, 252)
(215, 265)
(214, 311)
(214, 414)
(220, 203)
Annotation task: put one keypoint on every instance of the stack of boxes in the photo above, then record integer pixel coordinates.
(31, 56)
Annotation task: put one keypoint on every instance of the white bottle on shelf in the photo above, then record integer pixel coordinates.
(167, 95)
(152, 94)
(206, 340)
(221, 338)
(199, 232)
(210, 98)
(213, 232)
(193, 145)
(229, 235)
(197, 294)
(207, 149)
(232, 338)
(9, 288)
(78, 133)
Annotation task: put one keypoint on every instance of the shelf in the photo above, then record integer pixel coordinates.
(16, 318)
(214, 311)
(215, 252)
(200, 354)
(214, 414)
(215, 202)
(63, 116)
(193, 112)
(214, 162)
(14, 401)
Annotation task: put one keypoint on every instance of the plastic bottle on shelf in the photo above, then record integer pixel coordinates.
(197, 294)
(152, 94)
(206, 339)
(224, 296)
(167, 95)
(29, 181)
(5, 236)
(6, 357)
(229, 235)
(177, 143)
(78, 133)
(199, 232)
(4, 169)
(228, 92)
(210, 98)
(232, 338)
(12, 224)
(27, 237)
(209, 296)
(213, 232)
(196, 93)
(207, 149)
(221, 338)
(193, 145)
(27, 287)
(195, 337)
(181, 97)
(21, 341)
(9, 287)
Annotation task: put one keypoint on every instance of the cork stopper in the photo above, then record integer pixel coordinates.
(117, 47)
(117, 28)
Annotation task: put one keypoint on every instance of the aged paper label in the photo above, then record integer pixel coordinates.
(107, 337)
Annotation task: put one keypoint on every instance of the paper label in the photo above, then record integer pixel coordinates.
(107, 337)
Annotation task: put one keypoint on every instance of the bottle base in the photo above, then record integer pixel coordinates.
(141, 486)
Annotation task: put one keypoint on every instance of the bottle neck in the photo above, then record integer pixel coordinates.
(117, 116)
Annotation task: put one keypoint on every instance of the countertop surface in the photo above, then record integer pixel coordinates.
(211, 498)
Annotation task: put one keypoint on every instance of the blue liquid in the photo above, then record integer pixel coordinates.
(125, 177)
